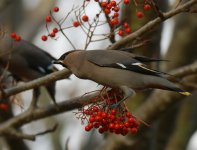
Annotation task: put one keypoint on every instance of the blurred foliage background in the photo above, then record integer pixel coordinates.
(174, 40)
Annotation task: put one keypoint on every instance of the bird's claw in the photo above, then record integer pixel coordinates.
(115, 105)
(118, 103)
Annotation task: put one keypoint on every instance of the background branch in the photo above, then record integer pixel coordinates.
(152, 24)
(147, 112)
(65, 73)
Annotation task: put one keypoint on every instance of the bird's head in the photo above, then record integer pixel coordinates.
(63, 58)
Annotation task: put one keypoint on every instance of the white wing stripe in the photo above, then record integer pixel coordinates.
(137, 64)
(121, 65)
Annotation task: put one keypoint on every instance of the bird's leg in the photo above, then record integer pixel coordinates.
(35, 96)
(127, 93)
(103, 92)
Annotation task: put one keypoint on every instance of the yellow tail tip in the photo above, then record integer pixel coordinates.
(185, 93)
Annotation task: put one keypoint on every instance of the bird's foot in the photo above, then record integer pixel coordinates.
(56, 105)
(118, 103)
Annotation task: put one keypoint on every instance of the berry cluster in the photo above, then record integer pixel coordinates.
(16, 37)
(125, 29)
(101, 116)
(111, 9)
(140, 14)
(84, 18)
(52, 34)
(112, 120)
(48, 19)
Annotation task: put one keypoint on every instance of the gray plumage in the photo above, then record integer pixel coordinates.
(116, 69)
(26, 61)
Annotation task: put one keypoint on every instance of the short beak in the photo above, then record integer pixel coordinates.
(58, 62)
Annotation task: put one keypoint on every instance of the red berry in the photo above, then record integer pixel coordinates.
(128, 114)
(125, 131)
(4, 107)
(76, 23)
(113, 111)
(48, 19)
(96, 0)
(117, 126)
(87, 128)
(112, 22)
(147, 7)
(126, 1)
(107, 11)
(120, 32)
(44, 37)
(52, 34)
(117, 131)
(140, 14)
(126, 25)
(96, 125)
(116, 9)
(85, 18)
(87, 112)
(135, 124)
(101, 130)
(133, 130)
(116, 21)
(99, 113)
(121, 126)
(126, 124)
(109, 6)
(113, 3)
(55, 30)
(104, 4)
(128, 30)
(95, 108)
(98, 118)
(92, 119)
(116, 14)
(131, 120)
(13, 35)
(104, 122)
(104, 115)
(111, 126)
(56, 9)
(112, 117)
(90, 125)
(18, 38)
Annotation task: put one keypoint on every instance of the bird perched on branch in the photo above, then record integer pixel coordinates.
(116, 69)
(27, 62)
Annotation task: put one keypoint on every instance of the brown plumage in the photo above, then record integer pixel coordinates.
(116, 69)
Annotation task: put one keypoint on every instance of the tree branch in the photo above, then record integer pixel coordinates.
(35, 83)
(148, 111)
(65, 73)
(152, 24)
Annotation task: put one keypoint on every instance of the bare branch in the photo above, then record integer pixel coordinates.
(39, 113)
(17, 134)
(152, 24)
(147, 112)
(48, 130)
(35, 83)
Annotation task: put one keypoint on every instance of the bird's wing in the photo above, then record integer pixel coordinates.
(120, 60)
(147, 59)
(37, 59)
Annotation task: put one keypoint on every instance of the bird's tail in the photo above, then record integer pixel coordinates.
(185, 93)
(167, 85)
(176, 89)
